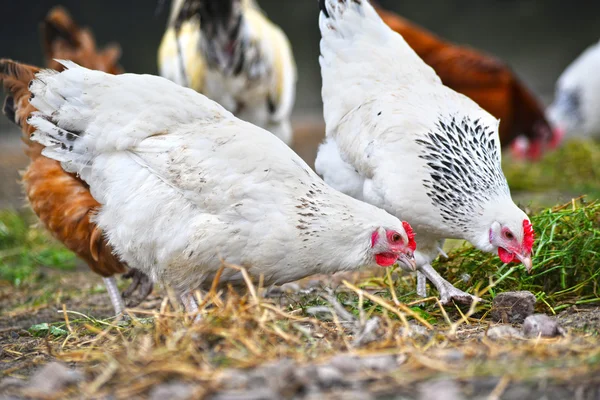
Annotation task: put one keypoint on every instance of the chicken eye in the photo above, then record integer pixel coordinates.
(509, 235)
(396, 237)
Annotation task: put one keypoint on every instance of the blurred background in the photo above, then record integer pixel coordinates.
(537, 38)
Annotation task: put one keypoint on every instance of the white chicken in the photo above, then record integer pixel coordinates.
(399, 139)
(576, 107)
(229, 51)
(183, 184)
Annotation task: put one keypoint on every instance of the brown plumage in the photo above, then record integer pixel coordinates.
(63, 39)
(61, 200)
(486, 80)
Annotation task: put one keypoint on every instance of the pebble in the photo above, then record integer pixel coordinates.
(232, 378)
(380, 362)
(329, 376)
(542, 325)
(445, 389)
(54, 377)
(346, 363)
(254, 394)
(503, 332)
(512, 307)
(415, 331)
(172, 391)
(291, 287)
(454, 356)
(10, 382)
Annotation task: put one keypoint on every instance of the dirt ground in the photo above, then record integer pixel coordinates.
(23, 354)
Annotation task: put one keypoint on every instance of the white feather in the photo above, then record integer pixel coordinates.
(380, 101)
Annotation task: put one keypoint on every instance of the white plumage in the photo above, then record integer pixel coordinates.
(184, 184)
(399, 139)
(245, 65)
(576, 107)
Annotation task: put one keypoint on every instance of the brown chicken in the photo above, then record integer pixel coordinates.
(487, 81)
(62, 201)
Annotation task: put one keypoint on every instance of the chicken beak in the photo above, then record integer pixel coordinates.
(526, 260)
(407, 262)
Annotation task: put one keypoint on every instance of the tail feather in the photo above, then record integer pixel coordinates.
(62, 38)
(62, 117)
(361, 56)
(15, 79)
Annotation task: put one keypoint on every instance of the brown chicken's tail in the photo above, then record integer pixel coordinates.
(61, 200)
(15, 78)
(63, 39)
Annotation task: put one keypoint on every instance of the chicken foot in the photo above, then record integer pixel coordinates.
(141, 283)
(190, 305)
(114, 294)
(447, 291)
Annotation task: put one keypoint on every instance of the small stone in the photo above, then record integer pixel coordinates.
(172, 391)
(254, 394)
(503, 332)
(346, 363)
(281, 376)
(313, 284)
(542, 325)
(233, 379)
(11, 382)
(291, 287)
(306, 374)
(379, 363)
(54, 377)
(273, 291)
(329, 376)
(512, 307)
(441, 389)
(414, 331)
(454, 356)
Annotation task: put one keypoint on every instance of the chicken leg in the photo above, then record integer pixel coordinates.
(447, 291)
(114, 294)
(190, 305)
(140, 283)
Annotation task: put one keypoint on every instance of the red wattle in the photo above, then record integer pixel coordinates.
(505, 255)
(385, 259)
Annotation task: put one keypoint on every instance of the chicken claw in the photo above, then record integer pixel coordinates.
(447, 291)
(141, 283)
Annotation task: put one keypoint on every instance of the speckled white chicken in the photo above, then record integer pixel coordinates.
(399, 139)
(183, 184)
(231, 52)
(576, 107)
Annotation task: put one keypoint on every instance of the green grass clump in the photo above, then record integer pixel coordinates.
(566, 260)
(24, 248)
(573, 168)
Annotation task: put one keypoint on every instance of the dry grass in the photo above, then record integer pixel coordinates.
(126, 359)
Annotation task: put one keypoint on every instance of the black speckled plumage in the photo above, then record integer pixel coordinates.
(464, 168)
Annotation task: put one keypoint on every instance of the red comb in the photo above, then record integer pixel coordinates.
(528, 235)
(411, 235)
